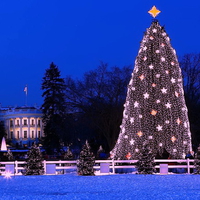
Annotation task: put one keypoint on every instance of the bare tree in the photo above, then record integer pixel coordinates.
(98, 100)
(190, 65)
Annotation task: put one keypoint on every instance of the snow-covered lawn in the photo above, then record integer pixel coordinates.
(108, 187)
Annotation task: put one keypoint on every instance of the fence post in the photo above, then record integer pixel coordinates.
(16, 167)
(45, 168)
(113, 166)
(188, 165)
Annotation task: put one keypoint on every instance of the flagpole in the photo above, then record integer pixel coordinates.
(26, 94)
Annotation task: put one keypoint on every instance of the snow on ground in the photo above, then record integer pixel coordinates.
(108, 187)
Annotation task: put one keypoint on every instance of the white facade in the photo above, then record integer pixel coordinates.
(23, 125)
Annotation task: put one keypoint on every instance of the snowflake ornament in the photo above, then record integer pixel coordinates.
(151, 66)
(164, 90)
(154, 30)
(132, 142)
(168, 105)
(145, 48)
(159, 128)
(173, 80)
(132, 120)
(136, 104)
(162, 59)
(146, 95)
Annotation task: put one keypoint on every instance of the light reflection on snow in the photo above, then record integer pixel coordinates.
(7, 175)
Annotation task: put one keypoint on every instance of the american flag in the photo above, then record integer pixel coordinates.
(26, 89)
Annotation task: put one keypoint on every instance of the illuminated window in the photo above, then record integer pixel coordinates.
(39, 134)
(25, 122)
(25, 134)
(32, 134)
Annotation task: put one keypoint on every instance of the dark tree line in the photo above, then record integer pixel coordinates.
(90, 108)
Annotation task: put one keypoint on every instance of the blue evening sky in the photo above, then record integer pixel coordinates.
(76, 35)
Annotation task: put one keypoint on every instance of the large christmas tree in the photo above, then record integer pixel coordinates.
(155, 109)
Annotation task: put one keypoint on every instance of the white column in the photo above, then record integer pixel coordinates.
(41, 131)
(28, 136)
(14, 136)
(35, 127)
(9, 128)
(20, 132)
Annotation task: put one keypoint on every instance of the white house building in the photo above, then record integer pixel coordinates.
(23, 124)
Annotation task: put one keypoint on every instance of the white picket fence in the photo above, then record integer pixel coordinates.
(113, 166)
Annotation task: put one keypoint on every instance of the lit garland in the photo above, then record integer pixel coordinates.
(156, 110)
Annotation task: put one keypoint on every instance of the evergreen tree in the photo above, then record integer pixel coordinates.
(155, 109)
(86, 161)
(34, 165)
(197, 162)
(68, 154)
(53, 107)
(9, 155)
(101, 153)
(146, 164)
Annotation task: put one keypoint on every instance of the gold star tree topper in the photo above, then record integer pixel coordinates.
(154, 11)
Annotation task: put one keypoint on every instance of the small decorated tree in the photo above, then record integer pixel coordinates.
(86, 161)
(146, 164)
(34, 165)
(9, 155)
(101, 153)
(197, 162)
(68, 154)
